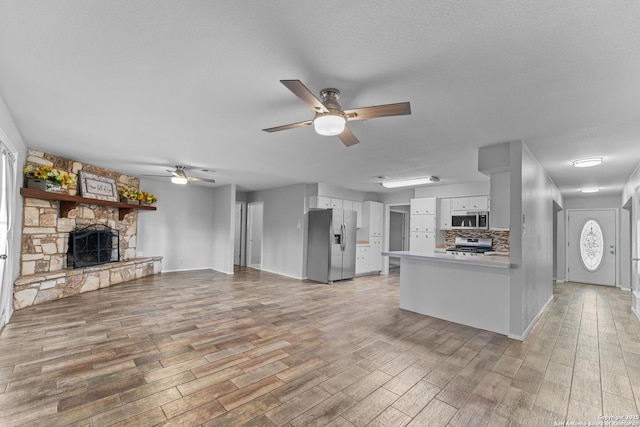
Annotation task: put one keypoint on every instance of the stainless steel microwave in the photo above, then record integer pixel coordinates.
(475, 220)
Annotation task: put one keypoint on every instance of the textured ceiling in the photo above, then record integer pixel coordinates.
(138, 86)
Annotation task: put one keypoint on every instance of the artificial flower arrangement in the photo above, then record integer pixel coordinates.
(139, 195)
(47, 173)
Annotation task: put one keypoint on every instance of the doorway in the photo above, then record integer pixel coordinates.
(239, 241)
(254, 235)
(398, 234)
(7, 209)
(592, 246)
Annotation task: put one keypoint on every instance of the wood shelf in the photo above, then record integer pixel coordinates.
(68, 202)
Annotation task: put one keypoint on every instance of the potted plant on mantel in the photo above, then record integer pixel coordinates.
(46, 178)
(128, 195)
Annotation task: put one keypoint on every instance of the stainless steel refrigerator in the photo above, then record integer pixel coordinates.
(331, 250)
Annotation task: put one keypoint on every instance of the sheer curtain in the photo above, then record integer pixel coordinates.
(7, 186)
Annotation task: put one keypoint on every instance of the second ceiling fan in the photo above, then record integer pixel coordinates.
(330, 118)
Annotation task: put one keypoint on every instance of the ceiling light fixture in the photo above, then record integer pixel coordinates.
(590, 190)
(179, 180)
(410, 182)
(329, 124)
(587, 163)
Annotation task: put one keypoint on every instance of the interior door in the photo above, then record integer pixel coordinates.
(7, 185)
(591, 246)
(254, 234)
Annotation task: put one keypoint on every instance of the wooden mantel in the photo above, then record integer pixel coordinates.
(68, 202)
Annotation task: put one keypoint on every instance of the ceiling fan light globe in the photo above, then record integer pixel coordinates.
(179, 180)
(329, 124)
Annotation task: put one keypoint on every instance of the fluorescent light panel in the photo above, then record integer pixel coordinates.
(587, 163)
(409, 182)
(590, 190)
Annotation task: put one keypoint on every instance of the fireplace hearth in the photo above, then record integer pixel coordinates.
(93, 245)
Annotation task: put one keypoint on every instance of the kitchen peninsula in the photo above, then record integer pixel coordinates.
(465, 289)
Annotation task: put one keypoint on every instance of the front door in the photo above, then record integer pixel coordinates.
(591, 246)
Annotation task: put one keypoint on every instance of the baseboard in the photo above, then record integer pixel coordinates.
(282, 274)
(194, 269)
(523, 336)
(559, 280)
(625, 289)
(634, 311)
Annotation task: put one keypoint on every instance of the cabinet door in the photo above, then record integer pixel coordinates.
(319, 202)
(362, 259)
(375, 254)
(357, 206)
(445, 214)
(422, 223)
(422, 242)
(423, 206)
(460, 204)
(347, 205)
(336, 203)
(375, 225)
(479, 203)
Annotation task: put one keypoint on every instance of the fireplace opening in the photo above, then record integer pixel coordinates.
(93, 245)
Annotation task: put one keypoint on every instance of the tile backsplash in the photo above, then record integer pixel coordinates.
(500, 238)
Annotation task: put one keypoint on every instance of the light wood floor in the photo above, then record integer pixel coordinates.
(257, 349)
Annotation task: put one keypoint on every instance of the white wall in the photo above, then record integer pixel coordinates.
(534, 274)
(533, 201)
(630, 186)
(284, 226)
(180, 230)
(329, 190)
(13, 138)
(223, 228)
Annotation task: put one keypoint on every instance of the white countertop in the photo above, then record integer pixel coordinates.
(479, 260)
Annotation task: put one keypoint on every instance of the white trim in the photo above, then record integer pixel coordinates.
(522, 336)
(634, 311)
(280, 274)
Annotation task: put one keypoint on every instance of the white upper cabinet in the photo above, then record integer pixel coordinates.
(423, 206)
(336, 203)
(372, 213)
(357, 206)
(479, 203)
(445, 214)
(319, 202)
(347, 205)
(460, 204)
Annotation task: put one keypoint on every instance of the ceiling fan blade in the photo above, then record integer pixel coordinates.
(196, 179)
(301, 91)
(364, 113)
(348, 138)
(289, 126)
(157, 176)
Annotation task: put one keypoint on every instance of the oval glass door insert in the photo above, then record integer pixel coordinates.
(591, 245)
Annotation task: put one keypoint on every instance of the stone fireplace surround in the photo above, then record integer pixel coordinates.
(45, 236)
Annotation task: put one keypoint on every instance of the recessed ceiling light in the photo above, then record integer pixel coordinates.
(410, 182)
(586, 163)
(590, 190)
(382, 177)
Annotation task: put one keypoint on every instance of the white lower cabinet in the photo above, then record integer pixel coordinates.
(422, 242)
(375, 254)
(363, 260)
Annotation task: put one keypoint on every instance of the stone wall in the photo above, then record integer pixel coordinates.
(45, 239)
(500, 238)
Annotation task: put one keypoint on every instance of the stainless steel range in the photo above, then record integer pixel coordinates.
(470, 246)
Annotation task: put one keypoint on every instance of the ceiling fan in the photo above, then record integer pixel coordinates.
(330, 118)
(179, 176)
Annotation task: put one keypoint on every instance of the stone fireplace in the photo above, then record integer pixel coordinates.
(46, 255)
(93, 245)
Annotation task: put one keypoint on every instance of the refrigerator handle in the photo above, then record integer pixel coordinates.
(343, 235)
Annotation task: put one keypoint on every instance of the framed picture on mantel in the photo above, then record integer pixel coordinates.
(98, 187)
